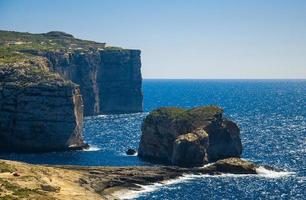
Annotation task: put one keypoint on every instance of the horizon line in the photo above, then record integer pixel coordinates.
(304, 79)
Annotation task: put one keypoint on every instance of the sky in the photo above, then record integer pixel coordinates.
(200, 39)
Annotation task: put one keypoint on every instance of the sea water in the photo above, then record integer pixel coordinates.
(270, 113)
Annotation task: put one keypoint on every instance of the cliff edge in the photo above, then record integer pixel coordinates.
(49, 81)
(109, 77)
(39, 110)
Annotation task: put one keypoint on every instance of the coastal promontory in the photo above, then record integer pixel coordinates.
(49, 81)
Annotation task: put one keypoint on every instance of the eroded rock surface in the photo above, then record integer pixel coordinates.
(39, 110)
(109, 77)
(80, 182)
(189, 137)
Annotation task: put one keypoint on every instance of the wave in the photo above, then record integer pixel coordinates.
(144, 189)
(124, 154)
(267, 173)
(92, 148)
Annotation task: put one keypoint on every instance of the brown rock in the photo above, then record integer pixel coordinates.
(189, 137)
(190, 149)
(235, 166)
(50, 188)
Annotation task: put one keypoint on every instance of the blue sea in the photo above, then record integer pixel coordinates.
(270, 113)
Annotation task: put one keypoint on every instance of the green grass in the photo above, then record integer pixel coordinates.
(185, 120)
(15, 46)
(6, 167)
(18, 192)
(194, 113)
(19, 53)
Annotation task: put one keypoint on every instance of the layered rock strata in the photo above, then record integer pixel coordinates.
(39, 111)
(48, 81)
(110, 80)
(189, 137)
(98, 182)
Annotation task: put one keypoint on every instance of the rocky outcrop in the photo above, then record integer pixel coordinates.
(99, 182)
(39, 111)
(189, 137)
(190, 149)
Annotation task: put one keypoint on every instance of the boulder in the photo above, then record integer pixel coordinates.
(50, 188)
(131, 152)
(235, 166)
(189, 137)
(190, 149)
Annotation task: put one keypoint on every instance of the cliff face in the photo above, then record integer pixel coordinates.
(42, 77)
(189, 137)
(119, 80)
(39, 111)
(110, 80)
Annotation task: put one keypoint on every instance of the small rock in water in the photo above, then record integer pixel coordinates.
(130, 152)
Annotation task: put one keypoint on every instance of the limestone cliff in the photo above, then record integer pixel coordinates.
(109, 77)
(110, 80)
(39, 111)
(189, 137)
(45, 79)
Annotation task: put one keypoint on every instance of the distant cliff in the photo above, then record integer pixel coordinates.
(110, 80)
(47, 82)
(109, 77)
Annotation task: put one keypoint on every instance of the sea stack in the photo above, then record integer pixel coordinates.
(189, 137)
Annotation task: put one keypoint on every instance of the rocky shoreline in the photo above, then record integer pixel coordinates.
(76, 182)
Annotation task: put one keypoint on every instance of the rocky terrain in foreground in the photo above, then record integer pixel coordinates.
(25, 181)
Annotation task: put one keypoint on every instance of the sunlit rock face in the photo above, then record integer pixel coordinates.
(189, 137)
(110, 80)
(39, 110)
(49, 81)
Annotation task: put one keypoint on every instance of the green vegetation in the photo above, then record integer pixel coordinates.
(187, 117)
(167, 112)
(17, 46)
(202, 112)
(6, 167)
(22, 58)
(18, 192)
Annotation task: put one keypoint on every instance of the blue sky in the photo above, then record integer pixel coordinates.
(181, 39)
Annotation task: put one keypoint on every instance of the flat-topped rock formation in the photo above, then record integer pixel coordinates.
(189, 137)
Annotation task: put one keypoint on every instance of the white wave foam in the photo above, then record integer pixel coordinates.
(124, 154)
(144, 189)
(92, 148)
(132, 194)
(261, 171)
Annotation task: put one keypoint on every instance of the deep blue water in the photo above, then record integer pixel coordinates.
(270, 113)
